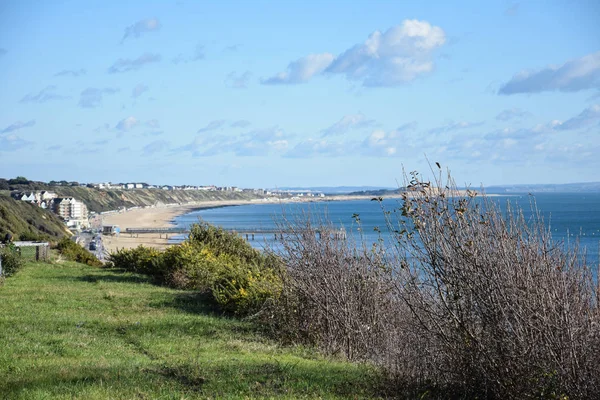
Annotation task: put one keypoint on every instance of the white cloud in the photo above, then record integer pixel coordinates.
(126, 64)
(46, 94)
(302, 70)
(513, 113)
(587, 117)
(155, 147)
(212, 126)
(140, 27)
(317, 147)
(347, 122)
(575, 75)
(71, 72)
(253, 143)
(454, 126)
(127, 124)
(391, 58)
(18, 125)
(12, 143)
(92, 97)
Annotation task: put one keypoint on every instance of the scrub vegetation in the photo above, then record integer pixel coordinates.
(467, 302)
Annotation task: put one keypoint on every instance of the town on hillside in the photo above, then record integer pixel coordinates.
(75, 213)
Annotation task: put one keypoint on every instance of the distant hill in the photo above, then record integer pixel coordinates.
(28, 221)
(99, 200)
(586, 187)
(379, 193)
(334, 189)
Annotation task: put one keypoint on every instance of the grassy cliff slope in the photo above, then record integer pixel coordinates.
(70, 331)
(104, 200)
(28, 221)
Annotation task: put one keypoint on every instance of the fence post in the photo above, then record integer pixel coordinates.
(37, 253)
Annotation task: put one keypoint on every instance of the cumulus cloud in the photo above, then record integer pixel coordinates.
(238, 81)
(454, 126)
(381, 143)
(141, 27)
(391, 58)
(348, 122)
(378, 143)
(254, 143)
(574, 75)
(138, 90)
(155, 147)
(71, 72)
(92, 97)
(18, 125)
(212, 125)
(513, 113)
(317, 147)
(302, 70)
(127, 124)
(586, 118)
(12, 143)
(126, 64)
(46, 94)
(241, 123)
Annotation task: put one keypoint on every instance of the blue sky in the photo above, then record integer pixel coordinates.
(266, 94)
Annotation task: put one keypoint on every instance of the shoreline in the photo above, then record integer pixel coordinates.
(164, 216)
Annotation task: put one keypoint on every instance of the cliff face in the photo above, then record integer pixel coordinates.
(29, 222)
(99, 200)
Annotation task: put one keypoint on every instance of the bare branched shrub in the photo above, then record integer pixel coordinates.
(474, 302)
(510, 312)
(335, 295)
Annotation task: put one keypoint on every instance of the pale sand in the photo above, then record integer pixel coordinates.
(162, 217)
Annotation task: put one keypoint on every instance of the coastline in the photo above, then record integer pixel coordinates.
(163, 216)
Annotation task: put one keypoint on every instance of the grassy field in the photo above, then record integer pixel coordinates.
(69, 331)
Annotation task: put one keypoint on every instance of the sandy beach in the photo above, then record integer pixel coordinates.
(162, 217)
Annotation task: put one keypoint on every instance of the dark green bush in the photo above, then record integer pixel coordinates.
(11, 260)
(74, 252)
(144, 260)
(239, 277)
(222, 242)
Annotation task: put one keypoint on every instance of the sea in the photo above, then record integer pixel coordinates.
(570, 216)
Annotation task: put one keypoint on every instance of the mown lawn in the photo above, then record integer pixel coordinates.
(69, 331)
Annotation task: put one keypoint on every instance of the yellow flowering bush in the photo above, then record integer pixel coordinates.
(243, 288)
(239, 277)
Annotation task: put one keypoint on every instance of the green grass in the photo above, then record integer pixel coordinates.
(70, 331)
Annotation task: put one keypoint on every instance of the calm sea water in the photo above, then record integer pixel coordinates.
(568, 215)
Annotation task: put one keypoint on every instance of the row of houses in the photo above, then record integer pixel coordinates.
(73, 211)
(132, 186)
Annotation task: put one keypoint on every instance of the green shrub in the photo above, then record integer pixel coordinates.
(30, 236)
(74, 252)
(11, 260)
(242, 288)
(190, 266)
(222, 242)
(144, 260)
(239, 277)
